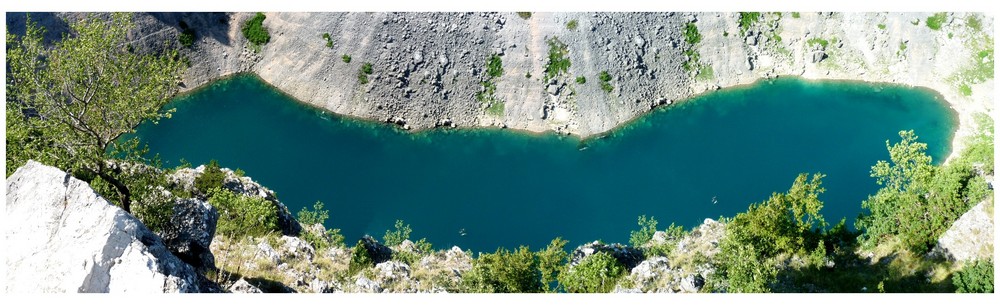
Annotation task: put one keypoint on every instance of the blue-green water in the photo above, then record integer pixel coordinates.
(507, 188)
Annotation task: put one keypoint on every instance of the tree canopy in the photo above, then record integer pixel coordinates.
(67, 104)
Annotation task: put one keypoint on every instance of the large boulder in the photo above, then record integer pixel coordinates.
(970, 237)
(190, 233)
(63, 237)
(377, 251)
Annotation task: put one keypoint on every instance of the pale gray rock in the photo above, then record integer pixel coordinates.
(242, 286)
(970, 237)
(62, 237)
(366, 285)
(627, 255)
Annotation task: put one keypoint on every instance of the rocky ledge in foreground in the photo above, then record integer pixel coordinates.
(62, 237)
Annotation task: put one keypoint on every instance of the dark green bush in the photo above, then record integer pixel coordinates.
(524, 15)
(647, 227)
(748, 19)
(360, 259)
(558, 62)
(572, 24)
(494, 67)
(329, 41)
(974, 278)
(241, 215)
(605, 81)
(255, 32)
(210, 179)
(317, 215)
(504, 272)
(551, 262)
(346, 58)
(691, 34)
(366, 69)
(186, 37)
(598, 273)
(581, 80)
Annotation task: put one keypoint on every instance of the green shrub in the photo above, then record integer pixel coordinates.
(333, 238)
(524, 15)
(360, 259)
(571, 25)
(504, 272)
(558, 62)
(605, 79)
(209, 179)
(691, 35)
(881, 26)
(494, 67)
(818, 41)
(965, 90)
(581, 80)
(597, 273)
(973, 22)
(551, 262)
(974, 278)
(255, 32)
(674, 233)
(796, 15)
(394, 238)
(346, 58)
(748, 19)
(647, 228)
(366, 69)
(496, 108)
(329, 41)
(317, 215)
(241, 215)
(936, 21)
(186, 37)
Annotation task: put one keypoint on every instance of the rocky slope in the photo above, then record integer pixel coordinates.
(429, 69)
(62, 237)
(970, 237)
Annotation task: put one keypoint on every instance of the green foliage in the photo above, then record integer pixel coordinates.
(816, 40)
(748, 19)
(360, 259)
(881, 26)
(255, 32)
(551, 261)
(363, 72)
(524, 15)
(787, 223)
(210, 179)
(978, 151)
(902, 46)
(317, 215)
(973, 22)
(558, 62)
(974, 278)
(59, 99)
(647, 227)
(329, 40)
(394, 238)
(693, 57)
(346, 58)
(186, 37)
(605, 79)
(494, 67)
(571, 25)
(918, 201)
(965, 90)
(597, 273)
(496, 108)
(332, 238)
(936, 21)
(504, 272)
(796, 15)
(706, 73)
(674, 234)
(241, 215)
(691, 35)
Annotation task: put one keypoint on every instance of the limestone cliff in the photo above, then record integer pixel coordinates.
(63, 237)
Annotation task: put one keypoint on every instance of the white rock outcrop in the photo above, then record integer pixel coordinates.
(970, 237)
(63, 237)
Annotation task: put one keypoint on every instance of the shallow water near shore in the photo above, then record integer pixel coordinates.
(707, 157)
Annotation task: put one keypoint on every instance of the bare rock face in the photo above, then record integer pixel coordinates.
(970, 237)
(62, 237)
(191, 231)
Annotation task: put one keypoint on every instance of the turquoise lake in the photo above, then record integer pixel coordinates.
(506, 188)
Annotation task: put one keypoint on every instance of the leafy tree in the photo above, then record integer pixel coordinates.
(67, 105)
(317, 215)
(975, 278)
(918, 201)
(504, 272)
(394, 238)
(785, 223)
(647, 228)
(241, 215)
(211, 178)
(551, 261)
(596, 273)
